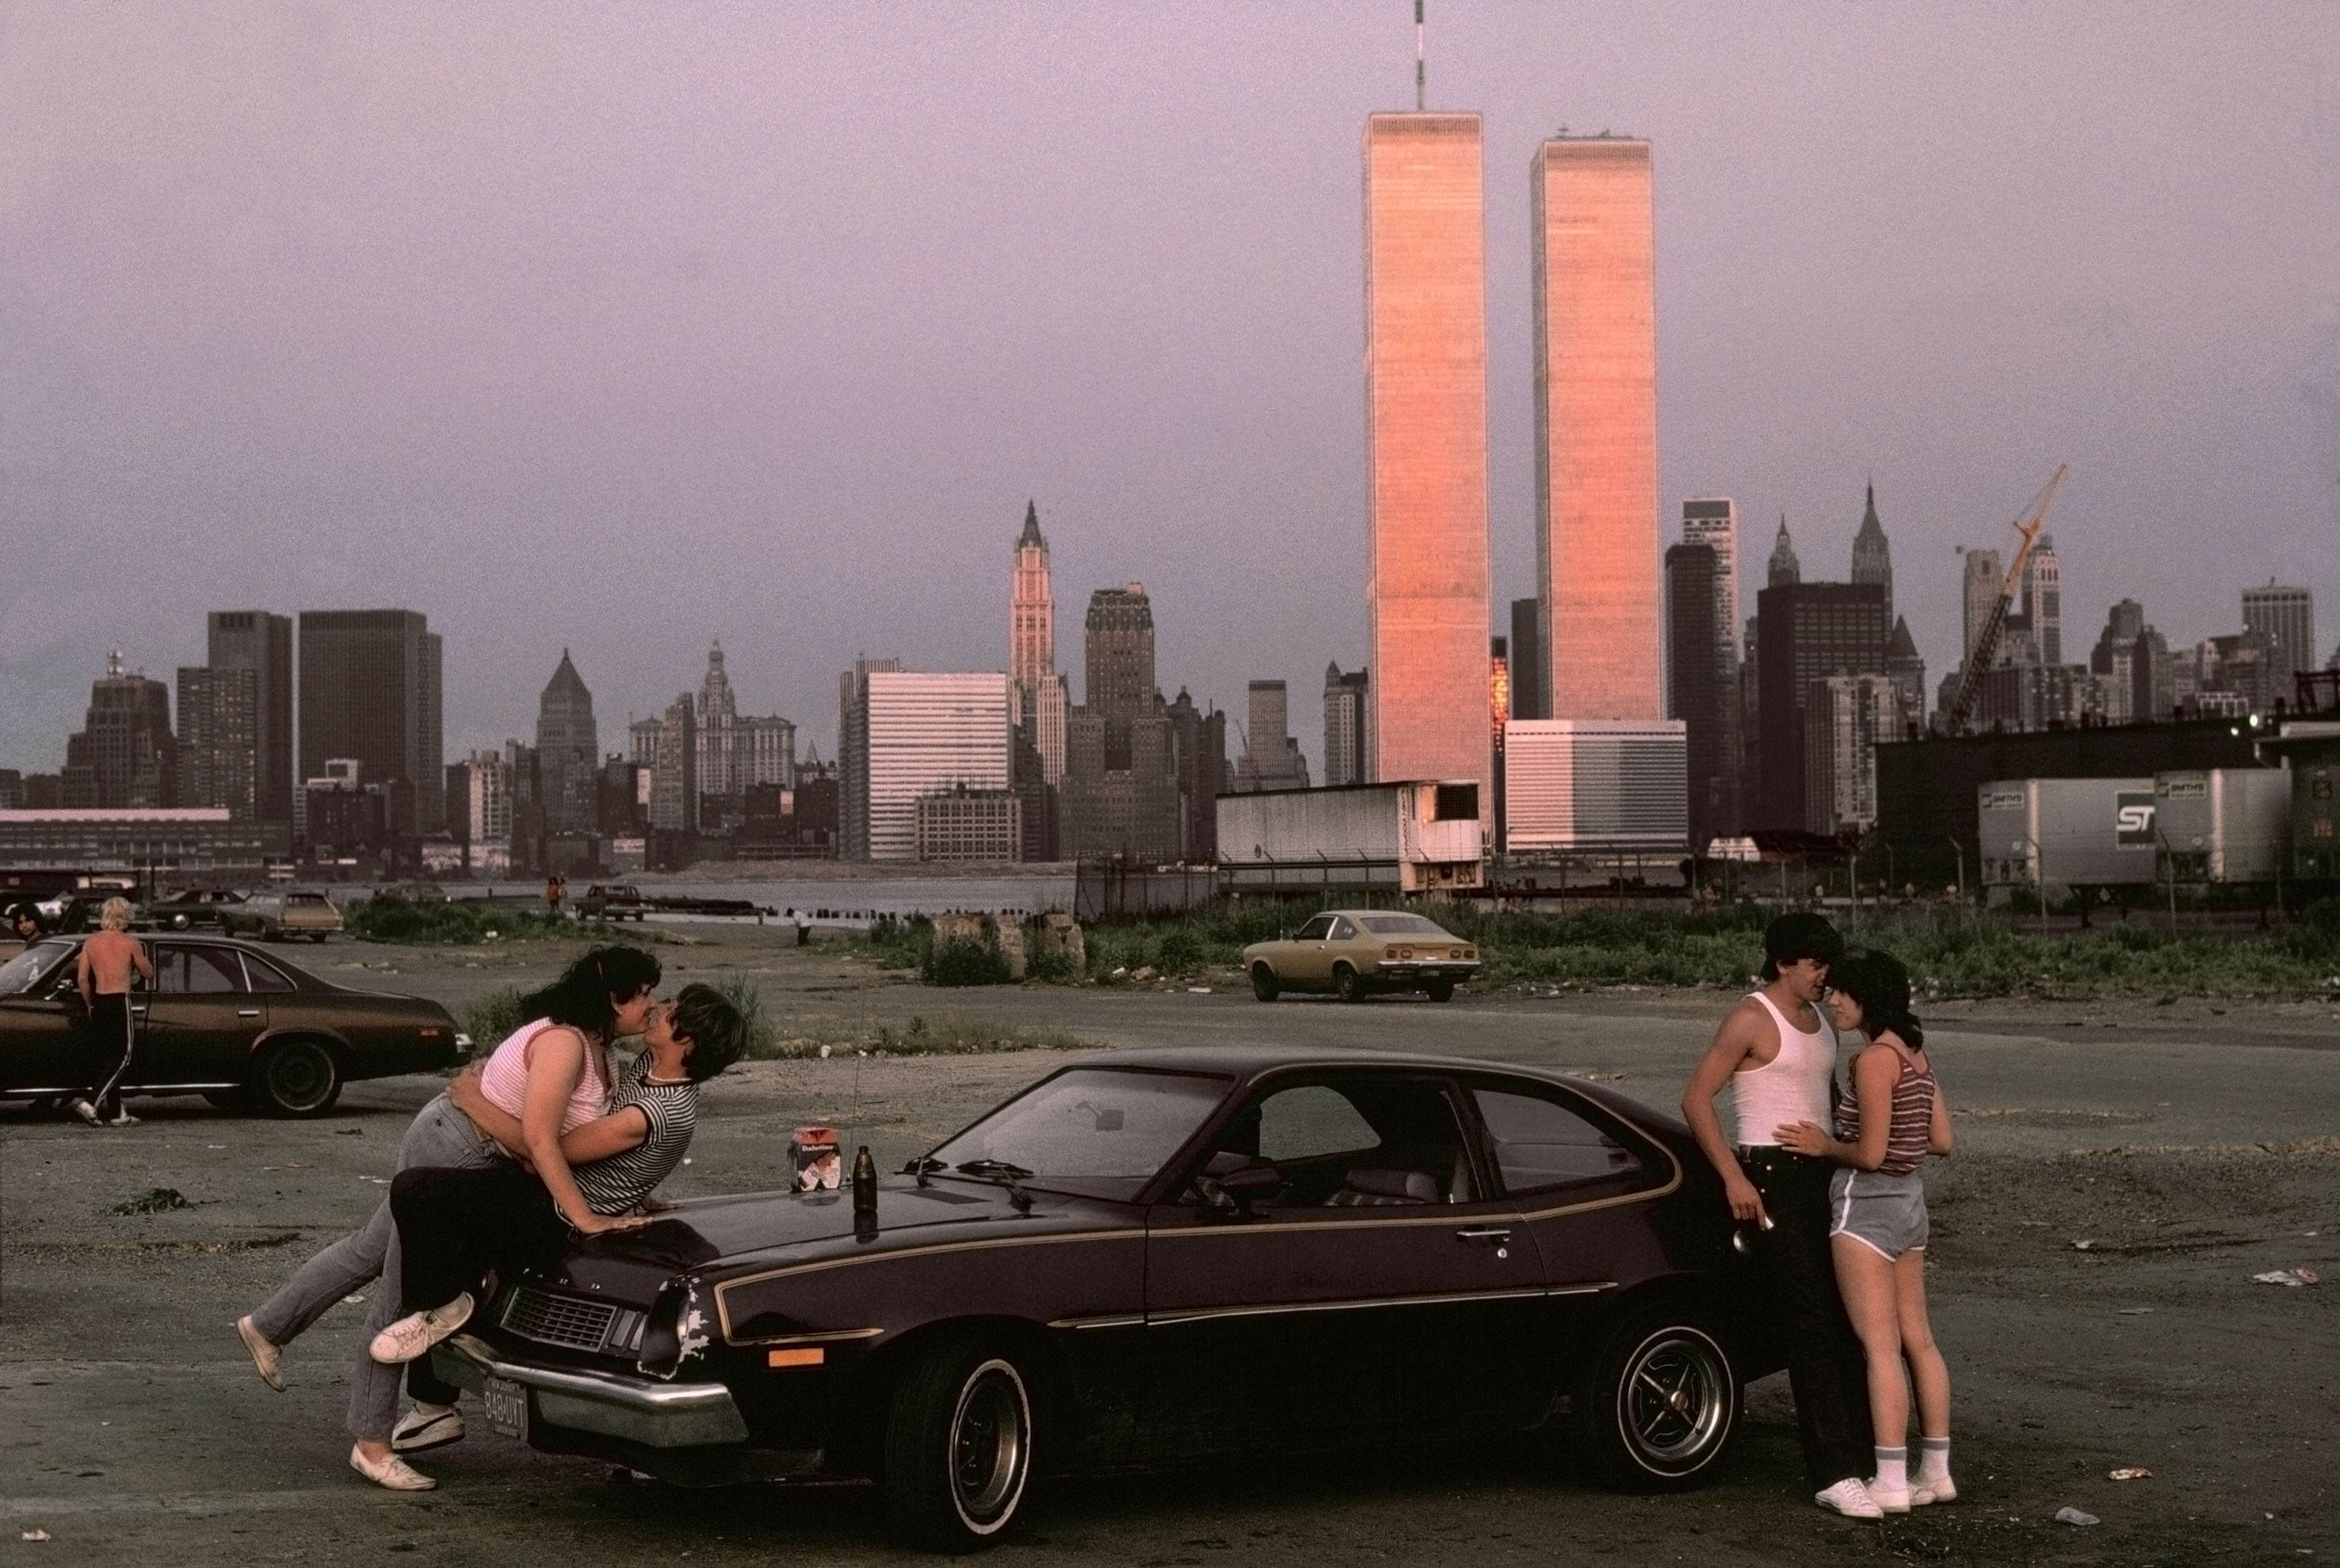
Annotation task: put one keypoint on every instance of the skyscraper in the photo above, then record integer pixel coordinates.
(1701, 692)
(1872, 555)
(1529, 666)
(1426, 446)
(124, 754)
(218, 740)
(568, 751)
(923, 734)
(1907, 667)
(1845, 715)
(1806, 632)
(675, 787)
(1593, 234)
(2113, 660)
(1713, 521)
(1784, 569)
(2287, 618)
(1272, 758)
(2043, 600)
(1348, 712)
(256, 640)
(370, 690)
(1980, 596)
(1035, 690)
(1119, 653)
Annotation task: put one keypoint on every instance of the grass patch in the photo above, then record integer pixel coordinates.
(153, 1200)
(491, 1019)
(1948, 953)
(945, 1036)
(442, 925)
(763, 1032)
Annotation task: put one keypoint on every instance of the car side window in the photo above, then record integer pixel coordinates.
(1310, 1121)
(1342, 930)
(1539, 1145)
(1315, 931)
(212, 970)
(264, 975)
(169, 970)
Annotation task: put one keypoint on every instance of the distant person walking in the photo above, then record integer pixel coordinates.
(103, 973)
(1887, 1120)
(1778, 1056)
(556, 892)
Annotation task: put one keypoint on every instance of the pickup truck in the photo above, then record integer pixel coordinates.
(613, 901)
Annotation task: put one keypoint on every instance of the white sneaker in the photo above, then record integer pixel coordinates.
(86, 1111)
(417, 1332)
(121, 1120)
(263, 1355)
(425, 1427)
(1923, 1491)
(1850, 1498)
(393, 1473)
(1891, 1499)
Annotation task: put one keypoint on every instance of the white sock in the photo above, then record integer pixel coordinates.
(1893, 1470)
(1933, 1459)
(431, 1412)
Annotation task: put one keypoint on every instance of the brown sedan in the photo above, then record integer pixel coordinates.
(245, 1029)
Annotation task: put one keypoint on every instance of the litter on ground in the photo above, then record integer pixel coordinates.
(2290, 1277)
(2074, 1516)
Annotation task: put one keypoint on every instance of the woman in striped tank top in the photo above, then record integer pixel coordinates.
(1888, 1120)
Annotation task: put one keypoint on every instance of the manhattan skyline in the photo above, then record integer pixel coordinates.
(620, 332)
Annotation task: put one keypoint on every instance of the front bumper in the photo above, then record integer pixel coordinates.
(635, 1410)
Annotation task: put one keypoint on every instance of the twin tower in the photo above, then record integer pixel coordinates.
(1596, 438)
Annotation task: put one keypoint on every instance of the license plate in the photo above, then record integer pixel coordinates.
(505, 1404)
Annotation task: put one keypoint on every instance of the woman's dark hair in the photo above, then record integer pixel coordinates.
(716, 1033)
(587, 994)
(1800, 934)
(1878, 982)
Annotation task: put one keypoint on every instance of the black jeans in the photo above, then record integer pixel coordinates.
(1826, 1364)
(111, 1036)
(454, 1225)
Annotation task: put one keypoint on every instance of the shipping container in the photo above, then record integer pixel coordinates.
(2221, 824)
(1422, 836)
(2072, 832)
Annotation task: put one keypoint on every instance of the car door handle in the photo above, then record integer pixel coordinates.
(247, 1012)
(1498, 1233)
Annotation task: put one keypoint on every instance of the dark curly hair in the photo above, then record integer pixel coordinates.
(1881, 985)
(717, 1033)
(587, 995)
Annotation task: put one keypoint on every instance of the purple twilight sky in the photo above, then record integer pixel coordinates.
(621, 327)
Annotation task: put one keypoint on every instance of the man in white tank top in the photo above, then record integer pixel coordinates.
(1777, 1055)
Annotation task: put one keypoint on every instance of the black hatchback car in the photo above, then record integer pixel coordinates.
(1162, 1256)
(243, 1028)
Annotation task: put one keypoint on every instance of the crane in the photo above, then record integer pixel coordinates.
(1986, 644)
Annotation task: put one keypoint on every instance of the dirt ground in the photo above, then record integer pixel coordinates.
(2124, 1170)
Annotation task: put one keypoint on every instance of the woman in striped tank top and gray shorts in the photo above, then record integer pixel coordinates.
(1891, 1118)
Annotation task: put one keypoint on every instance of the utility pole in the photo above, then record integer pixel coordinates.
(1421, 69)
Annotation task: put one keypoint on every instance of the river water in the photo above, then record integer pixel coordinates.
(834, 900)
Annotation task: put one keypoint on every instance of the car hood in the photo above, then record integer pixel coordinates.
(717, 1236)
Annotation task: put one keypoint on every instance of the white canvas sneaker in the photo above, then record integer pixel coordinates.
(417, 1332)
(1850, 1498)
(263, 1355)
(425, 1427)
(1924, 1493)
(393, 1473)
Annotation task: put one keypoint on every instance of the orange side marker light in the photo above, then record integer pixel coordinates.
(812, 1355)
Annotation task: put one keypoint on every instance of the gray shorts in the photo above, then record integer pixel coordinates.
(1884, 1213)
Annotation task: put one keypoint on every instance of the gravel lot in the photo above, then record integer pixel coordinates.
(2189, 1145)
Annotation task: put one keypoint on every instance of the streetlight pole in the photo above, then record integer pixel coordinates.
(1959, 850)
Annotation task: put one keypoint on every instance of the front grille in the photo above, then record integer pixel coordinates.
(562, 1320)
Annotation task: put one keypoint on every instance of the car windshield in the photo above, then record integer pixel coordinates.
(17, 975)
(1102, 1131)
(1402, 925)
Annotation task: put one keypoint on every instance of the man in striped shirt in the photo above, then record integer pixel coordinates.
(454, 1225)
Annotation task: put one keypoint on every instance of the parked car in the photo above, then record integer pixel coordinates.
(613, 901)
(285, 914)
(1161, 1257)
(190, 908)
(1353, 953)
(241, 1028)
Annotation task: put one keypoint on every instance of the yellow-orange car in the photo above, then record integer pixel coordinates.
(1353, 953)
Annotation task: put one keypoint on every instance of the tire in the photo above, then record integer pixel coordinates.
(1263, 983)
(1660, 1406)
(958, 1464)
(297, 1078)
(318, 937)
(1440, 990)
(1347, 984)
